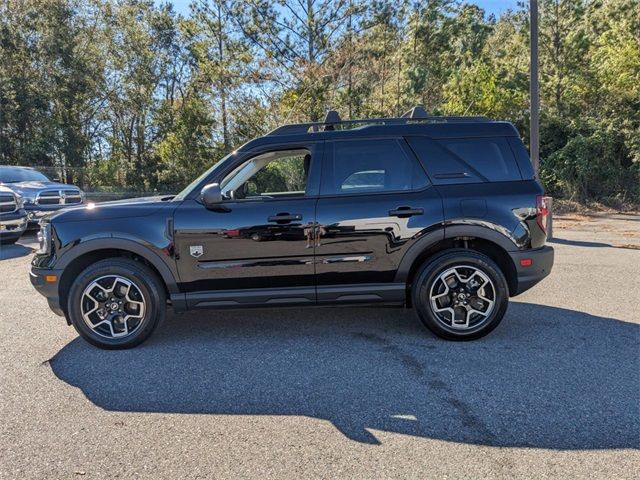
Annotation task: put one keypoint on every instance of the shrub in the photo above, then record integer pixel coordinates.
(592, 167)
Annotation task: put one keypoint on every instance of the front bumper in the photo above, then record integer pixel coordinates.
(34, 218)
(540, 262)
(43, 281)
(13, 224)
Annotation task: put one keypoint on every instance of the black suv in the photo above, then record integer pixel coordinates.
(440, 213)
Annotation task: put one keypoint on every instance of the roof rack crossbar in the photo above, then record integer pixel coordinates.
(332, 119)
(416, 112)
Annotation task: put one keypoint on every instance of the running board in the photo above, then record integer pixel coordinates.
(388, 293)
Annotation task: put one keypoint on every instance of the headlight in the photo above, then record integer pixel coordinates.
(44, 239)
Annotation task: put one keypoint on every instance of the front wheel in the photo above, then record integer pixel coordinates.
(116, 303)
(460, 295)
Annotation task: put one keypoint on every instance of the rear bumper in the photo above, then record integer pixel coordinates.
(541, 263)
(49, 289)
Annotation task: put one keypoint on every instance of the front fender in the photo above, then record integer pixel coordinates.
(136, 246)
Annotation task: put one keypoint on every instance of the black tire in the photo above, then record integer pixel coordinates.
(146, 285)
(428, 278)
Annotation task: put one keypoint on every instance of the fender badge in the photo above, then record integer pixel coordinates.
(196, 250)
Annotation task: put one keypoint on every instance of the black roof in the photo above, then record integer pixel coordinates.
(414, 122)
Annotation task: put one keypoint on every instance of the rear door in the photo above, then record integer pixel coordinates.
(375, 201)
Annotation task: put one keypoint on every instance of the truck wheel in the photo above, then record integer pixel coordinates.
(460, 295)
(116, 303)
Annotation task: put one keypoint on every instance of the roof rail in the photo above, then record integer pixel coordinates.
(416, 115)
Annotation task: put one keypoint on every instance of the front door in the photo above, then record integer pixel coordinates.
(257, 247)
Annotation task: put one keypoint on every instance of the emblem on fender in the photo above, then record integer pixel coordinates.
(196, 250)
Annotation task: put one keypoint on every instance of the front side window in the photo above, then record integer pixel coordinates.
(362, 166)
(274, 174)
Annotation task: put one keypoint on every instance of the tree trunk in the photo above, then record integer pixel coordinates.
(350, 60)
(311, 63)
(222, 86)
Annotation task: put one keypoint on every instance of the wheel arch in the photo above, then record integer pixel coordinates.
(491, 243)
(84, 254)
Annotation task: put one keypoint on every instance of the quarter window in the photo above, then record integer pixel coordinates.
(491, 157)
(371, 166)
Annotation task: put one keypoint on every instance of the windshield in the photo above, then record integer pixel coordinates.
(187, 190)
(15, 175)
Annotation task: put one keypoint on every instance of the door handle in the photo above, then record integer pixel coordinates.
(285, 217)
(405, 212)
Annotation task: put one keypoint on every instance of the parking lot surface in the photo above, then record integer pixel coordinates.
(358, 392)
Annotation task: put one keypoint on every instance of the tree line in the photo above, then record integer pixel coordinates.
(129, 94)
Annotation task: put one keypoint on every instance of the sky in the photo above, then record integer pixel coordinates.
(490, 6)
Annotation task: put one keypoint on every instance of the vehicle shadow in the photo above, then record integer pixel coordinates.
(15, 250)
(579, 243)
(546, 378)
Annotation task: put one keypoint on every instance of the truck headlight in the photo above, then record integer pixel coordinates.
(44, 239)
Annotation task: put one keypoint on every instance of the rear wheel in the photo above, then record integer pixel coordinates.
(460, 295)
(116, 303)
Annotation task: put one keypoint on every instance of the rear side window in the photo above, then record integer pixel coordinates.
(522, 157)
(363, 166)
(492, 158)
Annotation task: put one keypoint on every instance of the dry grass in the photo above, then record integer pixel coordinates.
(561, 207)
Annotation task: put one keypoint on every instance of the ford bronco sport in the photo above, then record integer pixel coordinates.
(442, 214)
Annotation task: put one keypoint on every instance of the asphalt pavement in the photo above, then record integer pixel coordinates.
(554, 391)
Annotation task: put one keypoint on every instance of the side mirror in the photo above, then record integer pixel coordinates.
(211, 195)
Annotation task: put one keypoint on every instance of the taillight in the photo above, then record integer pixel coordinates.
(542, 211)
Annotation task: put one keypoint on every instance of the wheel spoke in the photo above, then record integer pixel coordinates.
(445, 294)
(467, 300)
(113, 315)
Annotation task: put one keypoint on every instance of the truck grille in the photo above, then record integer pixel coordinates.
(8, 203)
(59, 197)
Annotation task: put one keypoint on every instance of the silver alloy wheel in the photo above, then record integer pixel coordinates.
(462, 297)
(112, 306)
